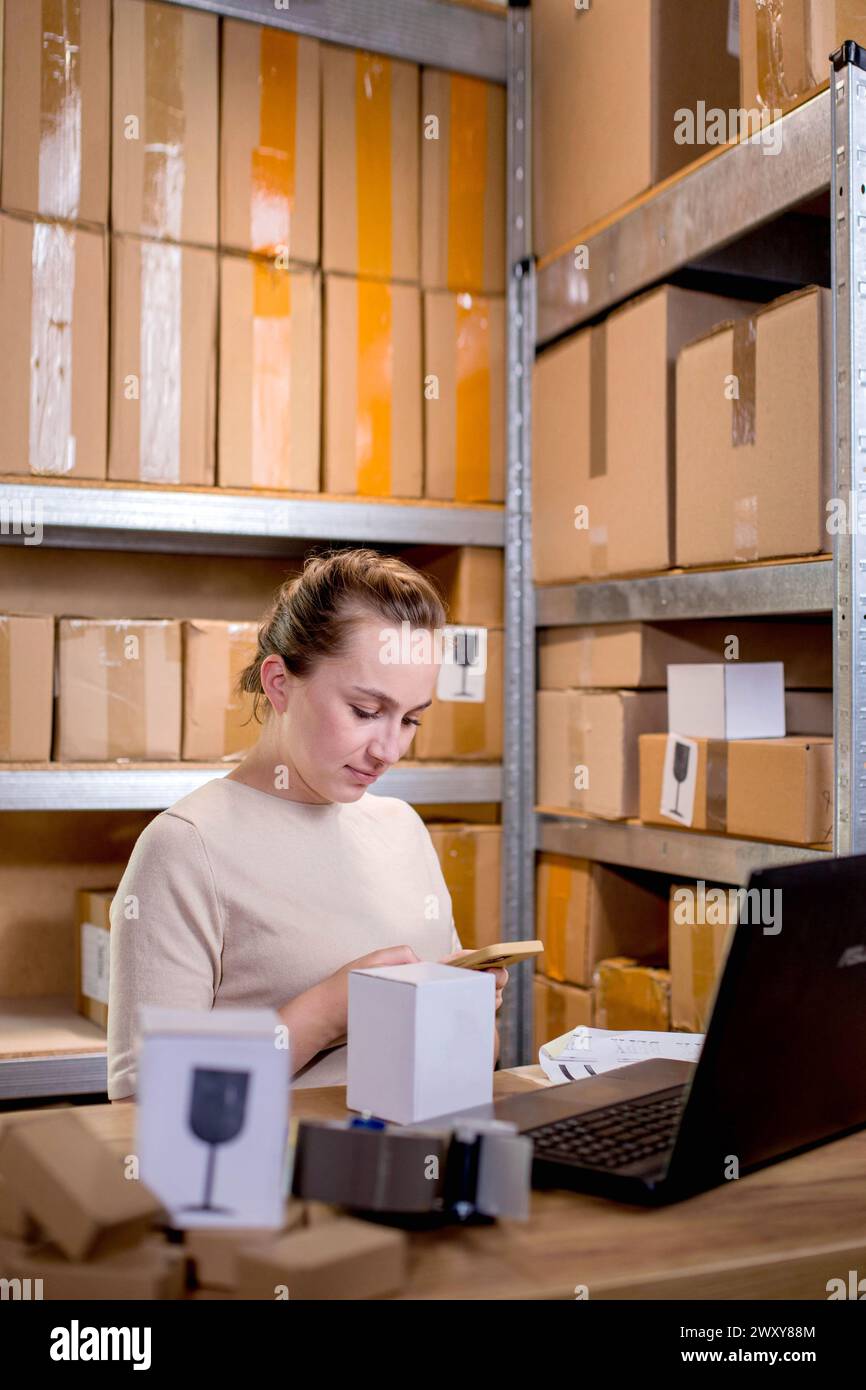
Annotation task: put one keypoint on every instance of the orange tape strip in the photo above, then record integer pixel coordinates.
(271, 442)
(559, 885)
(373, 162)
(472, 443)
(467, 178)
(273, 160)
(374, 384)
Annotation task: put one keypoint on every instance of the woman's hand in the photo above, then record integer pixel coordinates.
(335, 989)
(498, 972)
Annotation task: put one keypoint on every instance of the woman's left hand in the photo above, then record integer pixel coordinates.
(499, 972)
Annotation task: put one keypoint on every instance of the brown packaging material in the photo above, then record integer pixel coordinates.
(753, 472)
(118, 690)
(587, 911)
(26, 687)
(470, 578)
(785, 47)
(478, 812)
(373, 432)
(55, 93)
(214, 1252)
(340, 1259)
(696, 952)
(71, 1184)
(462, 183)
(470, 856)
(54, 341)
(15, 1223)
(217, 722)
(370, 165)
(710, 810)
(92, 953)
(593, 148)
(629, 995)
(782, 789)
(591, 737)
(638, 654)
(464, 398)
(466, 729)
(163, 362)
(165, 129)
(603, 457)
(153, 1269)
(269, 141)
(558, 1009)
(269, 376)
(809, 712)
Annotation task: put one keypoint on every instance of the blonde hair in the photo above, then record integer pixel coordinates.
(313, 614)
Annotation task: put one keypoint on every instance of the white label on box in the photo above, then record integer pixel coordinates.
(734, 28)
(464, 665)
(94, 962)
(679, 777)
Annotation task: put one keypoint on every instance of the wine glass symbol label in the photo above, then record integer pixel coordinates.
(679, 777)
(217, 1110)
(462, 673)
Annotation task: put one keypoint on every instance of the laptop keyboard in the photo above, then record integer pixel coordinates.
(614, 1137)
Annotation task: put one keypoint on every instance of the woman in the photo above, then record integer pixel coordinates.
(266, 887)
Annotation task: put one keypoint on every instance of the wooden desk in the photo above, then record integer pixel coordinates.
(779, 1233)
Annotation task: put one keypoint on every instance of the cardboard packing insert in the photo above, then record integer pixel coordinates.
(630, 995)
(118, 690)
(163, 362)
(464, 397)
(372, 441)
(165, 126)
(370, 165)
(218, 722)
(54, 338)
(462, 183)
(269, 375)
(54, 85)
(470, 857)
(270, 137)
(26, 687)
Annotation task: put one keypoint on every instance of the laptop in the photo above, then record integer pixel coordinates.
(782, 1067)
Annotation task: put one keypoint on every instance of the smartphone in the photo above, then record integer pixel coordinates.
(503, 953)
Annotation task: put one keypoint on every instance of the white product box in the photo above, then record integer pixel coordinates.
(421, 1040)
(213, 1114)
(730, 699)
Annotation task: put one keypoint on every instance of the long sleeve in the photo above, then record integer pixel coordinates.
(166, 938)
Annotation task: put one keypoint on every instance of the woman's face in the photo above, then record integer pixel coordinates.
(355, 716)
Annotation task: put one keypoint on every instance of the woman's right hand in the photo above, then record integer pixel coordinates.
(336, 986)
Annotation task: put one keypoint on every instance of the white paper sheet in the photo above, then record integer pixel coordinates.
(587, 1051)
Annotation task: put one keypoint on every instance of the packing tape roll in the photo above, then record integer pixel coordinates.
(164, 122)
(373, 1170)
(60, 142)
(467, 177)
(472, 413)
(374, 384)
(161, 390)
(272, 181)
(271, 377)
(51, 442)
(373, 164)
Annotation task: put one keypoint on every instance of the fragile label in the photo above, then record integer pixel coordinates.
(464, 666)
(679, 777)
(94, 962)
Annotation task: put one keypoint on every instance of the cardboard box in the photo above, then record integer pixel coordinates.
(218, 722)
(26, 687)
(603, 455)
(809, 712)
(464, 398)
(165, 128)
(586, 912)
(465, 727)
(373, 431)
(593, 150)
(214, 1253)
(54, 342)
(782, 789)
(463, 122)
(784, 49)
(72, 1185)
(703, 804)
(370, 165)
(163, 362)
(470, 578)
(638, 654)
(558, 1009)
(342, 1259)
(213, 1115)
(696, 952)
(15, 1222)
(270, 141)
(753, 473)
(422, 1039)
(734, 699)
(471, 860)
(55, 93)
(118, 690)
(629, 995)
(587, 748)
(92, 953)
(270, 393)
(150, 1270)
